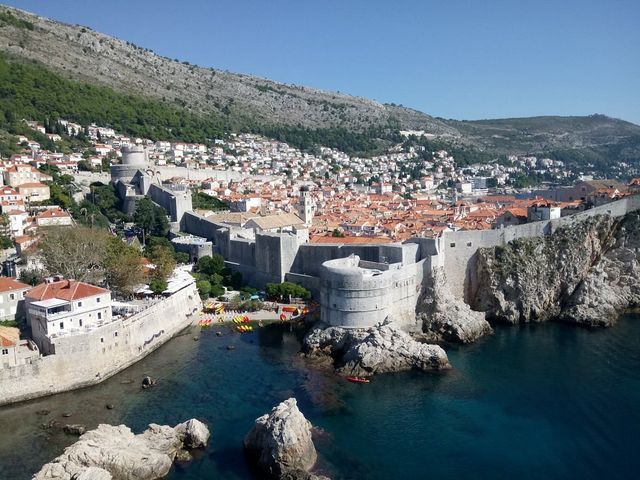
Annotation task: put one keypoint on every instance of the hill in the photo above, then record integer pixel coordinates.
(83, 54)
(300, 115)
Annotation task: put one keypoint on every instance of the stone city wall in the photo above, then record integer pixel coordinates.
(458, 248)
(87, 359)
(176, 203)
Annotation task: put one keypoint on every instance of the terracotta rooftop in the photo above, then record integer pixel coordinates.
(54, 212)
(7, 284)
(9, 336)
(64, 290)
(32, 185)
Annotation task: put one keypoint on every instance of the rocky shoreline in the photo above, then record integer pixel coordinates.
(366, 352)
(116, 453)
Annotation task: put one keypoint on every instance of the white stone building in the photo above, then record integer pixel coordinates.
(61, 307)
(12, 294)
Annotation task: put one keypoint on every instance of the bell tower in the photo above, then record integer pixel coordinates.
(306, 206)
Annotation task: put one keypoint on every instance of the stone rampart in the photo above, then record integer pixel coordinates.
(458, 248)
(87, 359)
(353, 296)
(176, 203)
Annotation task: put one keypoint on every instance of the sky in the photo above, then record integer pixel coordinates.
(463, 59)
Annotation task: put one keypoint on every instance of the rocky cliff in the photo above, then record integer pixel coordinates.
(445, 317)
(586, 273)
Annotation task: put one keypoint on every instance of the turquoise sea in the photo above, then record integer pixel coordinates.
(547, 401)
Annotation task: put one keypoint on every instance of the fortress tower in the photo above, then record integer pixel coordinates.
(134, 160)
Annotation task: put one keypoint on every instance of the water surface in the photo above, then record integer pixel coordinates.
(550, 401)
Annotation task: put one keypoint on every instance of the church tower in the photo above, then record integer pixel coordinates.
(306, 206)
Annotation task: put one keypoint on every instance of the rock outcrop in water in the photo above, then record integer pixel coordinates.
(114, 452)
(280, 443)
(445, 317)
(379, 349)
(586, 273)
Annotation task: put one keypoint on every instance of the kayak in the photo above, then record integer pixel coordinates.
(357, 379)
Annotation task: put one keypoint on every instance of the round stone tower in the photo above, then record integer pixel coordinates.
(134, 158)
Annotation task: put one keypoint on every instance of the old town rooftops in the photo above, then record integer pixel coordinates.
(64, 290)
(8, 284)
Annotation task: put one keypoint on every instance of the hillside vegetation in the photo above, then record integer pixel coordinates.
(98, 78)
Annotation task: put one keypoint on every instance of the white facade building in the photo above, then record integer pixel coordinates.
(64, 307)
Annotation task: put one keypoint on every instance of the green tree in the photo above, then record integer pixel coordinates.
(158, 286)
(164, 262)
(32, 276)
(123, 267)
(181, 257)
(60, 197)
(151, 218)
(204, 288)
(282, 291)
(211, 265)
(5, 242)
(76, 253)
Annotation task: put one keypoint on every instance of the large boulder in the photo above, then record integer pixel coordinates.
(378, 349)
(193, 433)
(123, 455)
(448, 318)
(280, 442)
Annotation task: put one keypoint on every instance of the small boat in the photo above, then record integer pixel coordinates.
(357, 379)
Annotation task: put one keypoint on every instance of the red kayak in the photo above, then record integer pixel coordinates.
(358, 379)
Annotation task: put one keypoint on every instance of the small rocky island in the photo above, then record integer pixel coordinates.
(379, 349)
(116, 453)
(280, 444)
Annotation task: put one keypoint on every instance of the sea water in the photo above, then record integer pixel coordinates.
(545, 401)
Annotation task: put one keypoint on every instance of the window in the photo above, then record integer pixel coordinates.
(115, 334)
(80, 321)
(98, 300)
(12, 296)
(61, 325)
(79, 304)
(101, 339)
(469, 244)
(452, 244)
(5, 351)
(99, 315)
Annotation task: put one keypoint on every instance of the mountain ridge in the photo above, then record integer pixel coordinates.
(83, 54)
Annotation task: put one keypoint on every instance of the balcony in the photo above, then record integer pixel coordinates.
(49, 309)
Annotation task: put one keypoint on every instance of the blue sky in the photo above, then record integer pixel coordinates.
(464, 59)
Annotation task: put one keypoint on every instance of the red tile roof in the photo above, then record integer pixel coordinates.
(64, 290)
(9, 336)
(7, 284)
(54, 212)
